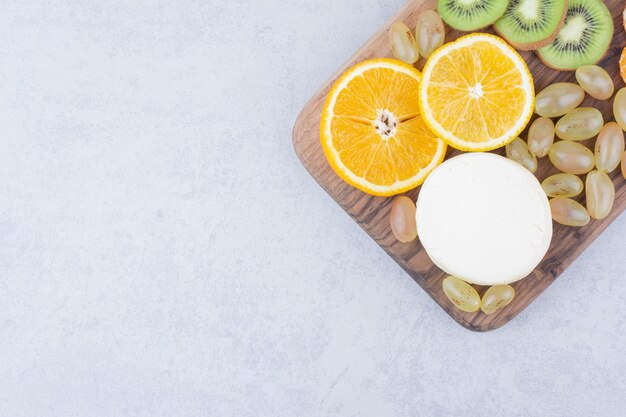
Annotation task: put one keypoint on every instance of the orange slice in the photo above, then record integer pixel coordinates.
(371, 130)
(476, 93)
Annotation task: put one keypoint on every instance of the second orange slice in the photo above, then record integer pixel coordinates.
(477, 93)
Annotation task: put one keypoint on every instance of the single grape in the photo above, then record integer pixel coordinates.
(571, 157)
(403, 43)
(600, 194)
(580, 124)
(430, 32)
(569, 212)
(619, 108)
(402, 219)
(518, 151)
(609, 147)
(558, 99)
(462, 295)
(496, 298)
(595, 81)
(541, 136)
(563, 185)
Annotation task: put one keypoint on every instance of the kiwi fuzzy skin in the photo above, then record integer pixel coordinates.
(532, 46)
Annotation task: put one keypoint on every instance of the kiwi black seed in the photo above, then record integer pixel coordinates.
(469, 15)
(531, 24)
(584, 38)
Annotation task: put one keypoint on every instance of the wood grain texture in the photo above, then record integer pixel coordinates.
(372, 213)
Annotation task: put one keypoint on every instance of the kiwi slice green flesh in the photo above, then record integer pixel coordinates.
(469, 15)
(531, 24)
(584, 38)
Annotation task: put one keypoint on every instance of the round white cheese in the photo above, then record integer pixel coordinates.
(484, 219)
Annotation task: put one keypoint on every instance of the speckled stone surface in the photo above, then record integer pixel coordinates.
(163, 253)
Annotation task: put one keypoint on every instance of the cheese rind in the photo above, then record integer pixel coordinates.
(484, 219)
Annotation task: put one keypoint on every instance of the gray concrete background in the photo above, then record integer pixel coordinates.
(163, 253)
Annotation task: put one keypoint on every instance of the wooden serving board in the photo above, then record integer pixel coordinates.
(372, 213)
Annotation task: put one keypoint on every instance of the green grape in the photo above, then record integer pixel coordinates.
(402, 219)
(429, 32)
(600, 194)
(496, 298)
(558, 99)
(518, 151)
(462, 295)
(403, 43)
(595, 81)
(572, 157)
(569, 212)
(619, 108)
(609, 147)
(580, 124)
(541, 136)
(563, 185)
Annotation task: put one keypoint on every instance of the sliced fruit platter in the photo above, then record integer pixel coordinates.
(480, 143)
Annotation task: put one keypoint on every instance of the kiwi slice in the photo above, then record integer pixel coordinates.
(584, 38)
(531, 24)
(471, 14)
